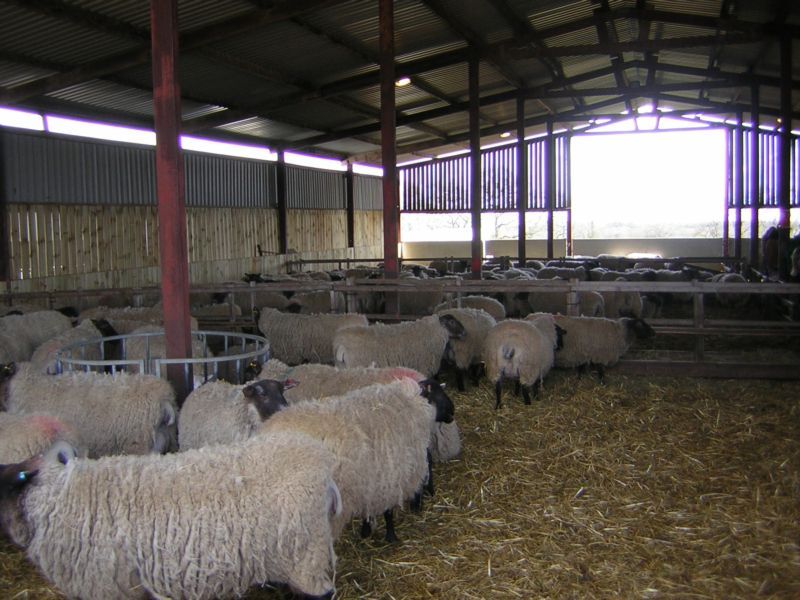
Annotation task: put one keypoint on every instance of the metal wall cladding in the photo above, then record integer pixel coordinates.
(42, 169)
(312, 189)
(367, 192)
(217, 181)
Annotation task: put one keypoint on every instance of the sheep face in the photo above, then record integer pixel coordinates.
(560, 333)
(434, 392)
(267, 396)
(638, 328)
(453, 326)
(14, 477)
(7, 371)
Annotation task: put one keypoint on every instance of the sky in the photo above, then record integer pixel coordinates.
(668, 176)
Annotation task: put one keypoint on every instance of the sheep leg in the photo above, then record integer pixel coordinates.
(525, 395)
(366, 528)
(460, 380)
(475, 374)
(416, 502)
(581, 370)
(429, 483)
(517, 387)
(328, 596)
(388, 516)
(498, 386)
(601, 372)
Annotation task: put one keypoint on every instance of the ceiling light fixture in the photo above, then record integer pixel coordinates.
(402, 81)
(505, 134)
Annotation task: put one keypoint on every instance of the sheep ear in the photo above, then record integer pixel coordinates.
(290, 383)
(453, 326)
(62, 452)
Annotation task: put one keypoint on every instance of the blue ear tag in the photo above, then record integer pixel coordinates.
(22, 476)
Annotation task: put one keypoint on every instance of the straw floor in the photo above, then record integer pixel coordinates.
(668, 488)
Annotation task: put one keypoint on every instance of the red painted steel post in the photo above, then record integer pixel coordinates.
(170, 191)
(391, 215)
(522, 180)
(476, 196)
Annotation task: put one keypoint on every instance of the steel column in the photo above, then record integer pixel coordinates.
(475, 163)
(549, 183)
(283, 211)
(522, 180)
(784, 165)
(728, 192)
(753, 180)
(738, 180)
(349, 195)
(391, 213)
(170, 192)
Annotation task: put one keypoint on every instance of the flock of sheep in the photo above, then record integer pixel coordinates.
(117, 492)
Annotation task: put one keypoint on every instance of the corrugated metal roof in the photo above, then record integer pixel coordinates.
(320, 64)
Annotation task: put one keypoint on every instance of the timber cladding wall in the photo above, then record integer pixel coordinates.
(80, 246)
(82, 214)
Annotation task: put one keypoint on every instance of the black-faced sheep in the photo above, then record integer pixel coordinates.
(597, 342)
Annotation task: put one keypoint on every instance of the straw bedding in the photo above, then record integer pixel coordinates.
(663, 488)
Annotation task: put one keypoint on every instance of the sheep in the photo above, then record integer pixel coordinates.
(316, 302)
(417, 344)
(517, 349)
(420, 302)
(317, 382)
(379, 464)
(590, 303)
(44, 357)
(203, 524)
(113, 414)
(490, 305)
(298, 338)
(219, 309)
(239, 370)
(148, 343)
(127, 320)
(221, 413)
(22, 436)
(622, 303)
(554, 272)
(597, 342)
(726, 299)
(21, 334)
(465, 351)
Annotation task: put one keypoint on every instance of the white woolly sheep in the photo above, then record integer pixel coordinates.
(590, 303)
(490, 305)
(23, 436)
(379, 435)
(219, 309)
(44, 357)
(562, 273)
(21, 334)
(152, 345)
(113, 414)
(517, 349)
(418, 345)
(220, 413)
(203, 524)
(316, 302)
(622, 303)
(465, 351)
(298, 338)
(597, 342)
(728, 299)
(317, 382)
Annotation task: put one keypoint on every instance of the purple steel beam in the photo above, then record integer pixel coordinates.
(784, 166)
(522, 179)
(754, 170)
(170, 191)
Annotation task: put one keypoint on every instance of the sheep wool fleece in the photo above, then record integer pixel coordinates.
(203, 524)
(379, 435)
